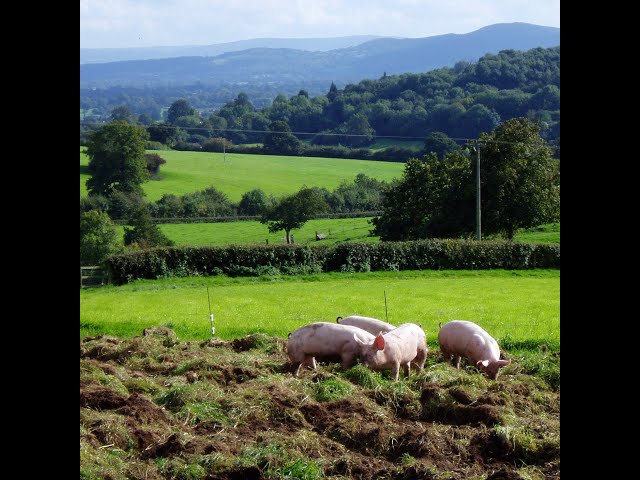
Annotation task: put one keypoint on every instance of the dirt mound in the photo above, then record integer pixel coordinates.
(156, 407)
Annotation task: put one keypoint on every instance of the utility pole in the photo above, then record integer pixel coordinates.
(224, 150)
(478, 214)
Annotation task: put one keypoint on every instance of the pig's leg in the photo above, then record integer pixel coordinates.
(395, 371)
(347, 360)
(310, 361)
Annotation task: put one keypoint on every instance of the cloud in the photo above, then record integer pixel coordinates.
(118, 23)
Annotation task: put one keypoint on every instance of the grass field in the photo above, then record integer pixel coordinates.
(382, 143)
(187, 172)
(514, 305)
(338, 230)
(547, 233)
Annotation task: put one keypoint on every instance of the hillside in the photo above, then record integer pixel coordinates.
(350, 64)
(105, 55)
(236, 174)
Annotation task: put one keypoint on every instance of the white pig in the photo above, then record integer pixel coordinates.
(461, 338)
(325, 339)
(371, 325)
(400, 347)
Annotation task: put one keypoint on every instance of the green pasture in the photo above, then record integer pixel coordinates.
(520, 306)
(547, 233)
(338, 230)
(382, 143)
(235, 174)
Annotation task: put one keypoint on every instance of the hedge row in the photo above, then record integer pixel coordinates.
(253, 260)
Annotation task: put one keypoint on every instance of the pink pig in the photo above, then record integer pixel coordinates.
(324, 339)
(401, 346)
(461, 338)
(371, 325)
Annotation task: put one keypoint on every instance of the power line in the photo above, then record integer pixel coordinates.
(397, 137)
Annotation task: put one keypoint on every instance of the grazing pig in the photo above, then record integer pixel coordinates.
(371, 325)
(400, 347)
(324, 339)
(461, 338)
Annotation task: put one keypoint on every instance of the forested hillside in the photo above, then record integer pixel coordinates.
(461, 102)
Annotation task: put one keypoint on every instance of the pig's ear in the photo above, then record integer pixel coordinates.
(379, 342)
(358, 340)
(503, 363)
(484, 363)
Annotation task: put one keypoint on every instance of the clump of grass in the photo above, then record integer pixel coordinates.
(262, 455)
(97, 464)
(400, 397)
(187, 366)
(178, 469)
(331, 389)
(407, 460)
(198, 412)
(92, 373)
(107, 427)
(300, 468)
(259, 341)
(363, 376)
(526, 446)
(544, 365)
(141, 385)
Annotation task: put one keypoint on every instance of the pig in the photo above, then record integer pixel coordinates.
(371, 325)
(461, 338)
(400, 347)
(325, 339)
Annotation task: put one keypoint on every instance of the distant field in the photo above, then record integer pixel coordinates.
(547, 233)
(187, 172)
(521, 305)
(381, 143)
(338, 230)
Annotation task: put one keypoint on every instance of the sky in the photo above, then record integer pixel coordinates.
(150, 23)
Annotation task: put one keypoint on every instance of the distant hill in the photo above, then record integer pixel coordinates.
(105, 55)
(370, 59)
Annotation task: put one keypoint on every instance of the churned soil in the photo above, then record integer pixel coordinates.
(156, 407)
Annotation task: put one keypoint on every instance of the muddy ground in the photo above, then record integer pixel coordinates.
(155, 407)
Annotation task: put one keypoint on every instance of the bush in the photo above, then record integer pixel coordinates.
(151, 145)
(98, 237)
(254, 260)
(153, 163)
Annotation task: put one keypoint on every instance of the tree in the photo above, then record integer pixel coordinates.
(98, 237)
(520, 179)
(121, 113)
(440, 144)
(333, 92)
(153, 163)
(253, 202)
(116, 159)
(358, 124)
(476, 120)
(145, 119)
(294, 211)
(434, 199)
(216, 144)
(166, 134)
(179, 108)
(144, 233)
(280, 140)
